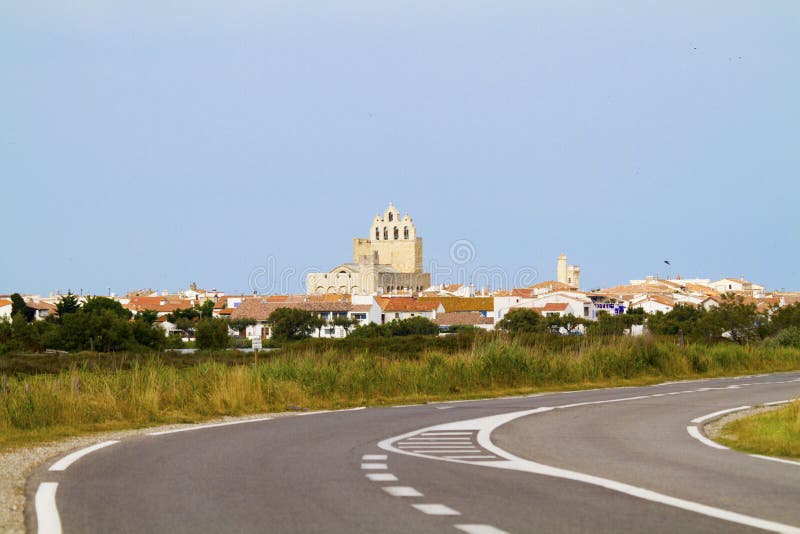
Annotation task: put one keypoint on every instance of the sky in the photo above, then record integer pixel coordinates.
(240, 144)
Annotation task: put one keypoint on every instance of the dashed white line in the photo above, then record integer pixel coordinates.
(372, 466)
(717, 414)
(46, 512)
(402, 491)
(480, 529)
(69, 459)
(212, 425)
(381, 477)
(374, 457)
(436, 509)
(695, 433)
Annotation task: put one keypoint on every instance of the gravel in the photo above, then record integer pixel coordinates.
(17, 464)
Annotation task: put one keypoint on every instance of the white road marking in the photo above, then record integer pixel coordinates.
(212, 425)
(777, 403)
(480, 529)
(445, 433)
(374, 457)
(69, 459)
(716, 414)
(374, 466)
(476, 457)
(434, 446)
(46, 512)
(695, 433)
(485, 426)
(446, 438)
(436, 509)
(781, 460)
(381, 477)
(448, 450)
(401, 491)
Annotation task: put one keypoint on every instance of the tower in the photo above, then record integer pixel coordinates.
(393, 240)
(561, 268)
(568, 274)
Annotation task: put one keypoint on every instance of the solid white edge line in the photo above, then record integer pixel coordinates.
(485, 426)
(695, 433)
(47, 519)
(716, 414)
(69, 459)
(211, 425)
(781, 460)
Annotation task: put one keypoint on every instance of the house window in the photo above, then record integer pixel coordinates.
(586, 311)
(385, 233)
(377, 234)
(396, 233)
(391, 216)
(405, 232)
(396, 315)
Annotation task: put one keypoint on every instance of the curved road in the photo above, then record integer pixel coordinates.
(601, 460)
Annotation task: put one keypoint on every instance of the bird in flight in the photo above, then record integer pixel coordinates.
(667, 262)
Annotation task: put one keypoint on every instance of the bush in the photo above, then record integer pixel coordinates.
(413, 326)
(212, 334)
(520, 321)
(788, 337)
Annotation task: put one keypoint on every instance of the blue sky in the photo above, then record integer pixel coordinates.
(156, 144)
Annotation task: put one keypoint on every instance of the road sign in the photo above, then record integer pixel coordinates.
(256, 343)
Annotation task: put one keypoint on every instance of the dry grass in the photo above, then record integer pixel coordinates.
(774, 433)
(46, 406)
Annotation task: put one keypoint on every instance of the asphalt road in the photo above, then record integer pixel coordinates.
(591, 461)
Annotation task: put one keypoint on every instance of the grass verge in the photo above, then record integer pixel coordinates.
(152, 390)
(774, 433)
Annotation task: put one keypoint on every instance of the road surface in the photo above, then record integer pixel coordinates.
(610, 460)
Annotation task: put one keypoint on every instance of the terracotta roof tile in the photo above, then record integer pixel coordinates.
(399, 304)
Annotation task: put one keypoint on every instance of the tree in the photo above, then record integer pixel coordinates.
(345, 322)
(785, 317)
(291, 323)
(19, 307)
(520, 321)
(734, 317)
(67, 304)
(206, 309)
(212, 333)
(317, 323)
(97, 305)
(146, 316)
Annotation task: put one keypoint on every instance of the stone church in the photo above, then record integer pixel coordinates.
(388, 261)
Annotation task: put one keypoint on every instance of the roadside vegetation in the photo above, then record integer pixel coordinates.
(774, 433)
(118, 375)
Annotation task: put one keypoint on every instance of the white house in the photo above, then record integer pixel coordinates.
(736, 284)
(653, 303)
(5, 309)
